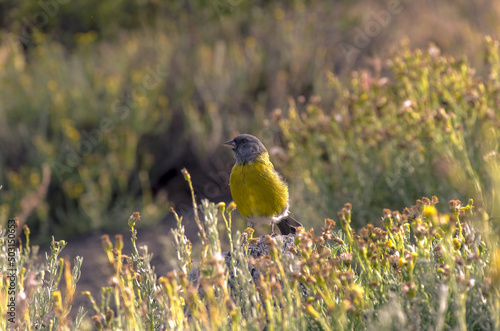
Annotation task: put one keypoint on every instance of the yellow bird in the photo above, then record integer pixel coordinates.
(260, 193)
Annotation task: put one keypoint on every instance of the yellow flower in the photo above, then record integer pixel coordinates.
(69, 129)
(57, 300)
(86, 38)
(34, 179)
(312, 312)
(429, 211)
(137, 77)
(401, 261)
(222, 206)
(76, 190)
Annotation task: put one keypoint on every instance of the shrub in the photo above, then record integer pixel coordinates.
(431, 125)
(420, 269)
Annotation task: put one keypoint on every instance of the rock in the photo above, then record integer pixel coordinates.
(256, 251)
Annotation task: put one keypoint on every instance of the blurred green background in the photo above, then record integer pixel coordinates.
(377, 103)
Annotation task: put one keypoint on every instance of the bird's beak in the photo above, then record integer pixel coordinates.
(230, 143)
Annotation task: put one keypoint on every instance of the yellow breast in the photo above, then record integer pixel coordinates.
(257, 189)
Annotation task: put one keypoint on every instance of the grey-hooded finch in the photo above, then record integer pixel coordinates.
(260, 193)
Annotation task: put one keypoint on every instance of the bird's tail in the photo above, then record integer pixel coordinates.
(288, 225)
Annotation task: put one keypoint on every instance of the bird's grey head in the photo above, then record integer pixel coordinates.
(246, 148)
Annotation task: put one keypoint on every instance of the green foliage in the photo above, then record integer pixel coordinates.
(227, 65)
(86, 129)
(94, 112)
(430, 126)
(108, 133)
(420, 270)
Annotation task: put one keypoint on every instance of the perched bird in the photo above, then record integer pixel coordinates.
(260, 193)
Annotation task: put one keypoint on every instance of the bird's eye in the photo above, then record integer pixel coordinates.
(244, 141)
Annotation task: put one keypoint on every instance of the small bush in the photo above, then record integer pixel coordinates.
(420, 269)
(430, 125)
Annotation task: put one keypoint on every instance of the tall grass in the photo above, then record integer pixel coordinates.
(420, 269)
(430, 125)
(81, 100)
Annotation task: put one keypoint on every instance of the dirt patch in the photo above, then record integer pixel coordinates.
(96, 271)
